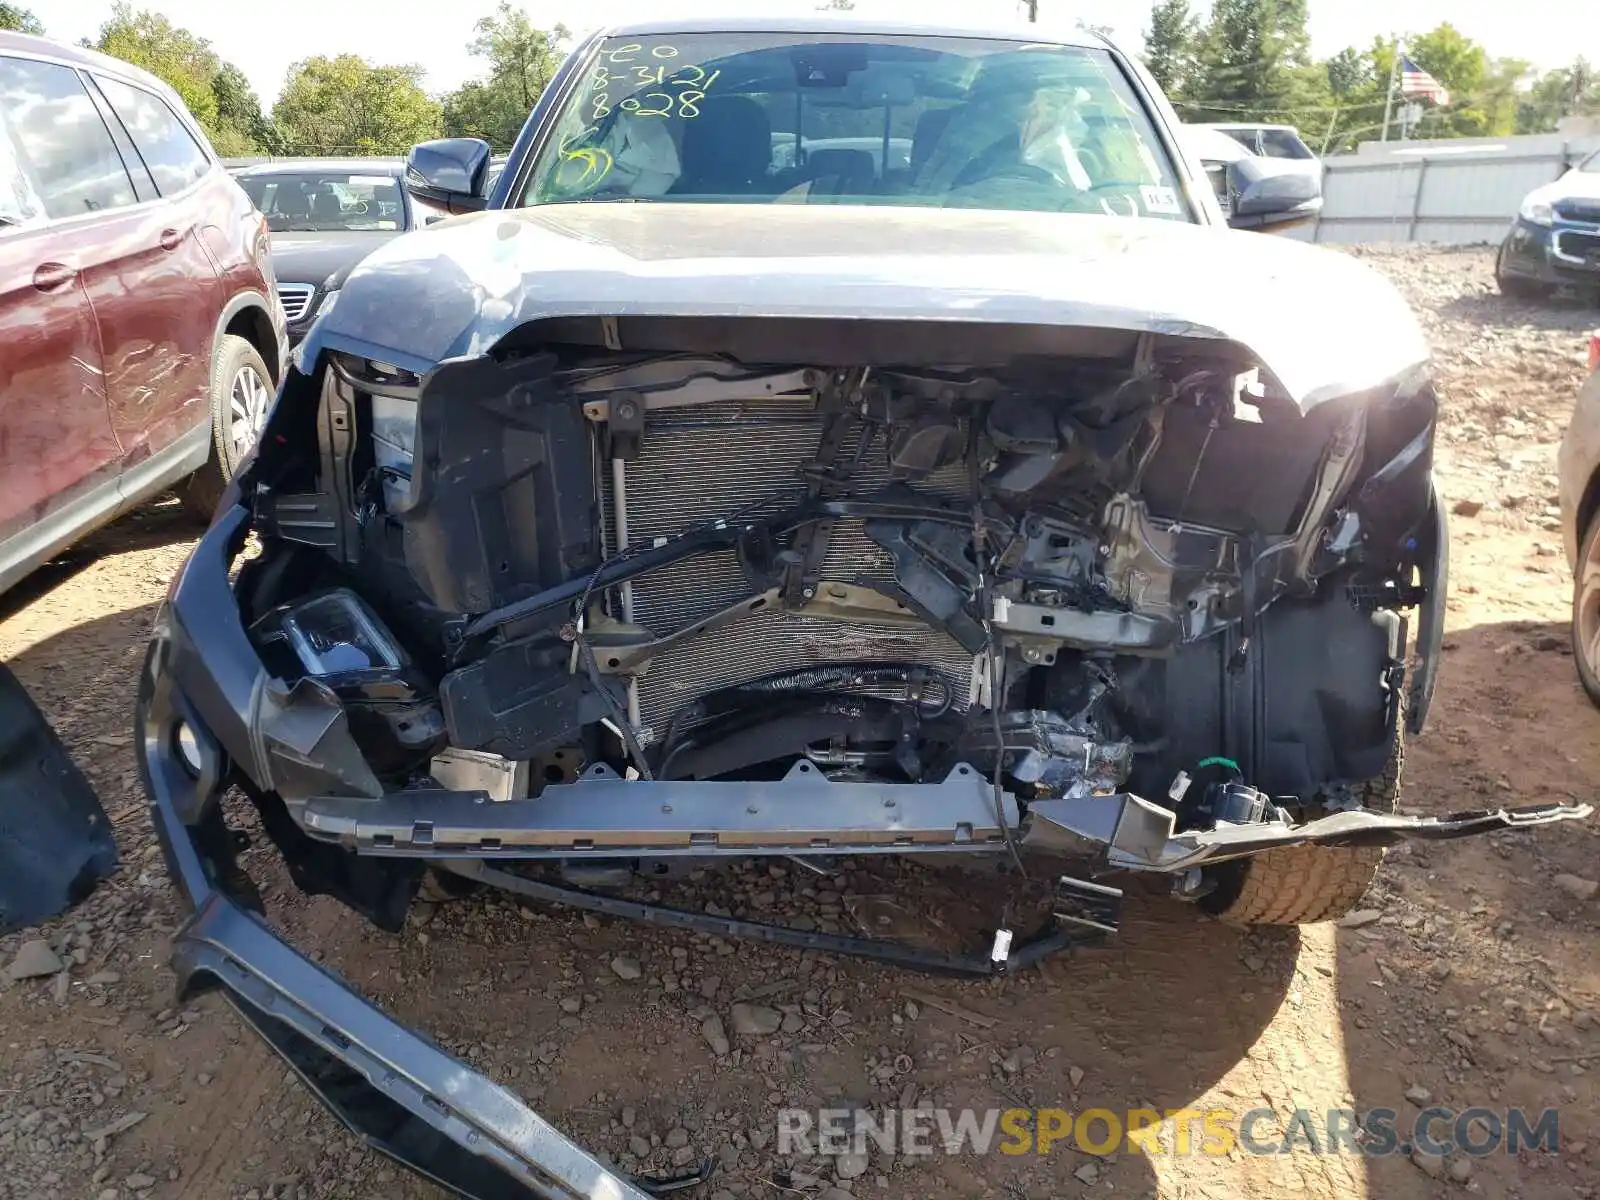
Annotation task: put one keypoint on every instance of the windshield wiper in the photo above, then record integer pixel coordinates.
(606, 200)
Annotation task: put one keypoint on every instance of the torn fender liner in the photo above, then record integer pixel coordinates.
(1137, 835)
(55, 841)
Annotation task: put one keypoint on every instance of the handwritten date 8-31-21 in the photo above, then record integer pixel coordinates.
(678, 88)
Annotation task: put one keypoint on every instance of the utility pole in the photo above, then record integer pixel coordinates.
(1033, 11)
(1388, 101)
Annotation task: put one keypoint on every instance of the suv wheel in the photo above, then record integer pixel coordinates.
(241, 394)
(1517, 287)
(1301, 885)
(1586, 612)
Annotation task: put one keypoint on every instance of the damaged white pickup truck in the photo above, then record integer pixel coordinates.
(829, 440)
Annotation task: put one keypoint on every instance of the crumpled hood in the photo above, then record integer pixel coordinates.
(1322, 322)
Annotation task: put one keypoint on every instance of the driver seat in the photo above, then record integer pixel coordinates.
(727, 149)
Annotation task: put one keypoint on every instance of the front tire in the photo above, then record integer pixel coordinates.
(1516, 287)
(1586, 613)
(1302, 885)
(241, 394)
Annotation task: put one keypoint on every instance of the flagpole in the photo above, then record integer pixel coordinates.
(1388, 99)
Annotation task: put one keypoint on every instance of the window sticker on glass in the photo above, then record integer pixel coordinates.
(1161, 200)
(371, 180)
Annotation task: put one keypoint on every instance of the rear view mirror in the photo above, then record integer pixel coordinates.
(452, 173)
(1269, 194)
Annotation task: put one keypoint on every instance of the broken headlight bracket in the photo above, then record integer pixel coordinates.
(336, 639)
(1086, 913)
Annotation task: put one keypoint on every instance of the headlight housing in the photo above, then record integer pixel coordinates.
(1537, 212)
(334, 636)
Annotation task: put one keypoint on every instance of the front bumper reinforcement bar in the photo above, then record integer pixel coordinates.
(602, 814)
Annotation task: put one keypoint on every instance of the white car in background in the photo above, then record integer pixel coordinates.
(1270, 141)
(1227, 160)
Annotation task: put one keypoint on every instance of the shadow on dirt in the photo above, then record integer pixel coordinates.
(161, 522)
(1474, 926)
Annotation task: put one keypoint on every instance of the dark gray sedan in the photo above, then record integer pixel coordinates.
(326, 215)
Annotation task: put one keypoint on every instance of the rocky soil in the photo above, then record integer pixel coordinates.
(1471, 978)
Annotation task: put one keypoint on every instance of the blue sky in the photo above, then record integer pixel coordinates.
(278, 32)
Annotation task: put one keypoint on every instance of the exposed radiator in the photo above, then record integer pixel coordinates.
(716, 460)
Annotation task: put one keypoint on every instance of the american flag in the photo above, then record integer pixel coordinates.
(1415, 83)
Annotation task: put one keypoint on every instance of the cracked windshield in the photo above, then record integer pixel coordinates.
(929, 122)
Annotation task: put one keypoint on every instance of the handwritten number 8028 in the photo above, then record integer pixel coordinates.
(662, 104)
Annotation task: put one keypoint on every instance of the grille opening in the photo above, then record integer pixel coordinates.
(295, 299)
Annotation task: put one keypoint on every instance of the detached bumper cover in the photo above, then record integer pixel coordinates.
(389, 1084)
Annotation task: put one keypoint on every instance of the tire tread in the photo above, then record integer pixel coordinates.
(1303, 885)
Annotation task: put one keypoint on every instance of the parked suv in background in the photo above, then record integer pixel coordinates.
(140, 340)
(1554, 241)
(325, 216)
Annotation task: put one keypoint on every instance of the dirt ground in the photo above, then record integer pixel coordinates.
(1476, 982)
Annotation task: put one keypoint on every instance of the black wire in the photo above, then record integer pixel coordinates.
(625, 729)
(996, 660)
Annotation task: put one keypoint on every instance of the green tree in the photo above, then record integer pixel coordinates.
(1564, 92)
(216, 92)
(476, 109)
(1459, 63)
(1292, 33)
(521, 60)
(20, 19)
(1251, 62)
(1500, 99)
(184, 62)
(345, 105)
(1169, 45)
(239, 114)
(1483, 97)
(1356, 86)
(1350, 74)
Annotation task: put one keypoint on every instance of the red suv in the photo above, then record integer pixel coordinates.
(140, 335)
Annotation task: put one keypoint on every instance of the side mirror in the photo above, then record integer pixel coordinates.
(1273, 194)
(451, 173)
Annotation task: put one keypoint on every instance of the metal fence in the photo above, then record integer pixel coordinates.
(1460, 191)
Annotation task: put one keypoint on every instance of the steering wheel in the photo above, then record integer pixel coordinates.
(1093, 161)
